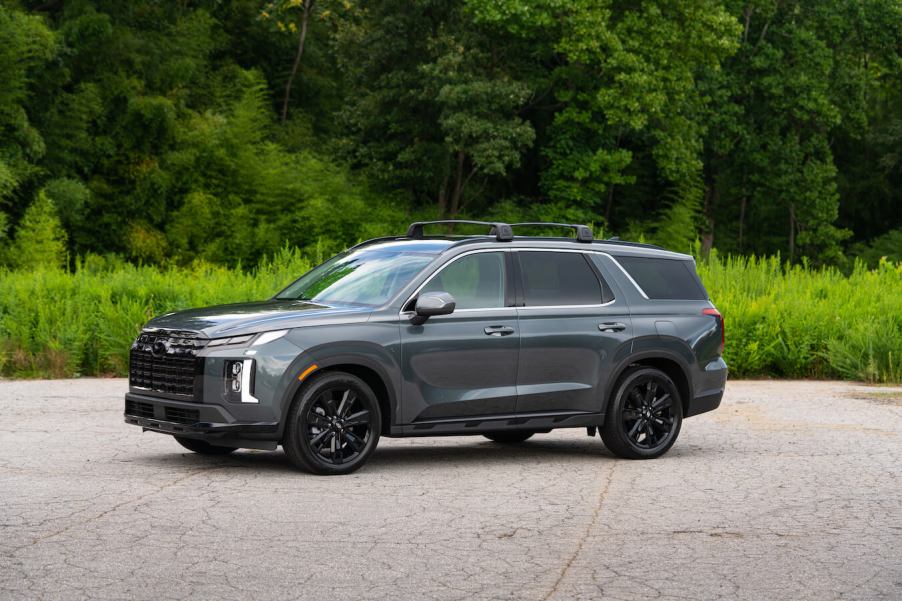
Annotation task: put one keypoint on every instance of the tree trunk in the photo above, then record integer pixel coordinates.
(792, 232)
(608, 206)
(742, 205)
(458, 185)
(302, 38)
(443, 198)
(708, 234)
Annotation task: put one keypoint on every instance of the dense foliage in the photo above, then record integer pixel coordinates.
(782, 320)
(152, 153)
(221, 130)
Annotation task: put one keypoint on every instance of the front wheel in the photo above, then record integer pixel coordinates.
(202, 447)
(644, 418)
(333, 427)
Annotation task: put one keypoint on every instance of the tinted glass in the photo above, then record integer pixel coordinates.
(362, 277)
(665, 278)
(558, 278)
(475, 281)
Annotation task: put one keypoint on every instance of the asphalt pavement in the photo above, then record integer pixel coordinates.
(791, 490)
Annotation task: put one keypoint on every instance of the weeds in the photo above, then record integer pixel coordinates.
(782, 321)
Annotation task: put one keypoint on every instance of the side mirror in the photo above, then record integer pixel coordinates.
(432, 303)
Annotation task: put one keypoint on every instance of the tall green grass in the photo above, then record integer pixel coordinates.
(782, 321)
(794, 321)
(57, 324)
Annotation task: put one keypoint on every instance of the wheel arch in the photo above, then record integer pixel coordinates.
(368, 371)
(671, 364)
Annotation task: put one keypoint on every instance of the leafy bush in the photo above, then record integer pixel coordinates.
(40, 238)
(782, 321)
(794, 321)
(57, 324)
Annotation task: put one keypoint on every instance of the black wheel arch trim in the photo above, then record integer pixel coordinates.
(635, 358)
(328, 364)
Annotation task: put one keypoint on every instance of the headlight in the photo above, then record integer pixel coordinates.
(268, 337)
(258, 339)
(232, 340)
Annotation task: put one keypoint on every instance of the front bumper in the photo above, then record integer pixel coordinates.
(193, 420)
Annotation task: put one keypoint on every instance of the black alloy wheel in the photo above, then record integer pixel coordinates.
(334, 425)
(645, 416)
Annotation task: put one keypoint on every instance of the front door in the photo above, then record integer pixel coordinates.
(572, 329)
(463, 364)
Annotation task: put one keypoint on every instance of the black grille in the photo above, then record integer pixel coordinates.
(166, 361)
(182, 416)
(139, 409)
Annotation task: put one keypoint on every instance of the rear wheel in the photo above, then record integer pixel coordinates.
(509, 437)
(334, 426)
(203, 447)
(644, 418)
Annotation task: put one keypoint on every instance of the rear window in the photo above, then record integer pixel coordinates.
(558, 278)
(671, 279)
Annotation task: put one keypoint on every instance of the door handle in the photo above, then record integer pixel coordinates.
(611, 327)
(499, 331)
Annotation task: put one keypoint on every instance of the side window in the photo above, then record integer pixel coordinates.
(558, 278)
(475, 281)
(670, 279)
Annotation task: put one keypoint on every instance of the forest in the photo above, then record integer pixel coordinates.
(152, 141)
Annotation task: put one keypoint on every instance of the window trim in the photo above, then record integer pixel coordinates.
(628, 276)
(591, 267)
(506, 283)
(517, 283)
(642, 292)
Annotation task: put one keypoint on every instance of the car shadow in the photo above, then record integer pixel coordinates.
(394, 458)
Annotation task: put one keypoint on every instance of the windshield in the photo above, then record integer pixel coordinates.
(364, 277)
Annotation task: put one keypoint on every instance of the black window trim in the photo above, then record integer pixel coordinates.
(616, 261)
(628, 276)
(508, 292)
(601, 284)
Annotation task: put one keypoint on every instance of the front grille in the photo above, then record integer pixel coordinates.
(138, 409)
(182, 416)
(166, 361)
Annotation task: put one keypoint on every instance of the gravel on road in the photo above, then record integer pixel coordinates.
(791, 490)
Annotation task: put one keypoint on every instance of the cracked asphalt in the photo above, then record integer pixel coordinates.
(791, 490)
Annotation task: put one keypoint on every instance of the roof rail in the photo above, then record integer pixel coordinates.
(583, 232)
(619, 242)
(504, 232)
(501, 231)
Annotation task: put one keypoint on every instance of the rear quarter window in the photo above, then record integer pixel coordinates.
(670, 279)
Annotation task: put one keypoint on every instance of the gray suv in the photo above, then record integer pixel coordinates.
(498, 335)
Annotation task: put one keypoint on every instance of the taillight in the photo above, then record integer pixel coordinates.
(723, 329)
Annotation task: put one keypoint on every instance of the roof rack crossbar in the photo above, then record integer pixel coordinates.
(501, 231)
(583, 232)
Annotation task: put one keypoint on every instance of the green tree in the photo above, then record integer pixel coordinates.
(626, 80)
(26, 44)
(803, 75)
(434, 100)
(40, 241)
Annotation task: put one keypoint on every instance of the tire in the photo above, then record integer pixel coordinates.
(202, 447)
(509, 437)
(333, 426)
(644, 417)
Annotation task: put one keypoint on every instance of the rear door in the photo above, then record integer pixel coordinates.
(572, 326)
(463, 364)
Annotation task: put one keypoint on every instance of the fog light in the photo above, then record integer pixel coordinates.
(237, 376)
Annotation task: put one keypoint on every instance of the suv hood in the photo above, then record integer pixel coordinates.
(251, 318)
